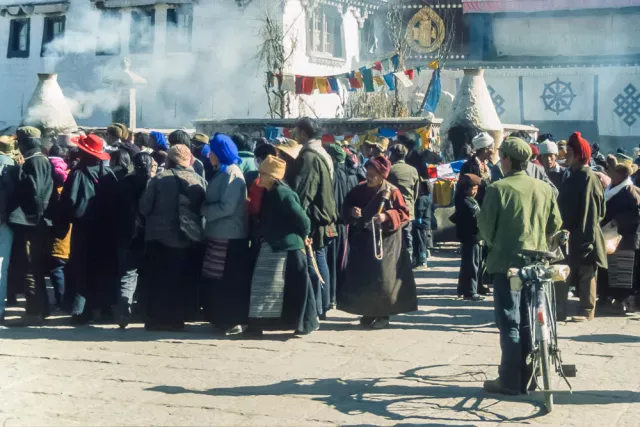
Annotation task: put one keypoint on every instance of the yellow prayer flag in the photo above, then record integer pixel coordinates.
(434, 65)
(424, 137)
(323, 85)
(379, 80)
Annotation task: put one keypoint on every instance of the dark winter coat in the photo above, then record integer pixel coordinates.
(582, 207)
(624, 209)
(33, 183)
(467, 210)
(344, 179)
(311, 179)
(283, 223)
(423, 212)
(406, 178)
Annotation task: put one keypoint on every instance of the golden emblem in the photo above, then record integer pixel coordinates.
(425, 31)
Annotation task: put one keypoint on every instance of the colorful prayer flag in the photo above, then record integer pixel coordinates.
(395, 59)
(333, 82)
(288, 83)
(433, 94)
(409, 74)
(367, 79)
(403, 79)
(390, 81)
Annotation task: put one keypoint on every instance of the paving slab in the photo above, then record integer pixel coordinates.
(427, 370)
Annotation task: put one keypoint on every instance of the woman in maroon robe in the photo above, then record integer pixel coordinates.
(377, 288)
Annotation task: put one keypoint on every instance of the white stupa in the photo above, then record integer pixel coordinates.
(472, 110)
(48, 108)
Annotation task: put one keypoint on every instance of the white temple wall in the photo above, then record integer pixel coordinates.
(219, 78)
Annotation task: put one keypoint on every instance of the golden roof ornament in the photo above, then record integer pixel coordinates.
(425, 31)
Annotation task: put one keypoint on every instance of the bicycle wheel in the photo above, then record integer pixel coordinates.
(546, 375)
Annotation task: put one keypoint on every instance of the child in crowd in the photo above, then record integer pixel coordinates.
(422, 238)
(61, 244)
(465, 218)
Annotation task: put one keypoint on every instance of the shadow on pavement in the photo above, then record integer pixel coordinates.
(607, 339)
(389, 398)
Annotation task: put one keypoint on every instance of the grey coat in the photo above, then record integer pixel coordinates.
(225, 207)
(159, 205)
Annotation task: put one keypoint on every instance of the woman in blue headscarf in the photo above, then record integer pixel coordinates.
(160, 147)
(227, 280)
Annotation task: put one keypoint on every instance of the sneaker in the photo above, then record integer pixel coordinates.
(236, 330)
(474, 297)
(421, 267)
(307, 332)
(380, 323)
(484, 290)
(494, 387)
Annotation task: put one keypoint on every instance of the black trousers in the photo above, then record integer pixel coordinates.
(30, 253)
(470, 269)
(421, 244)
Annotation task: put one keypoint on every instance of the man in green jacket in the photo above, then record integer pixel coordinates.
(311, 177)
(406, 178)
(518, 213)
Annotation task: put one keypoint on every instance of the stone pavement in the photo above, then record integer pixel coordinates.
(427, 370)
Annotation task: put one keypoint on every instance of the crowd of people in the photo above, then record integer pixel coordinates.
(518, 201)
(244, 233)
(253, 235)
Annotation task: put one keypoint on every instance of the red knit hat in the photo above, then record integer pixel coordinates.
(581, 147)
(534, 149)
(380, 164)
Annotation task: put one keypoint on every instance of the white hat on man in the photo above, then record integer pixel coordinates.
(548, 147)
(482, 140)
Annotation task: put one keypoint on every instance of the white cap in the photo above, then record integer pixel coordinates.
(482, 140)
(548, 147)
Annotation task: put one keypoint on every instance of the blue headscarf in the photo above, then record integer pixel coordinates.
(204, 153)
(161, 140)
(225, 150)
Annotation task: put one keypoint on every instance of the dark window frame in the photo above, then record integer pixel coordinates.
(100, 51)
(47, 33)
(172, 20)
(12, 52)
(133, 39)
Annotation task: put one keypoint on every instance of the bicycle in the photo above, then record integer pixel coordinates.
(535, 281)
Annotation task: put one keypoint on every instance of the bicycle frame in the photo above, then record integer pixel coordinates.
(539, 296)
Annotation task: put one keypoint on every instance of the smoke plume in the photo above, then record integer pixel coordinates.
(219, 77)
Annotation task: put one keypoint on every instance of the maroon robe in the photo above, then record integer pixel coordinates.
(373, 287)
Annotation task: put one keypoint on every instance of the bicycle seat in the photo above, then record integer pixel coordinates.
(538, 255)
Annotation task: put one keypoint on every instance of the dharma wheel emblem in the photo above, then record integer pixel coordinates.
(425, 31)
(558, 96)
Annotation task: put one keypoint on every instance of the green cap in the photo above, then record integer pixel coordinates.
(516, 148)
(29, 131)
(7, 144)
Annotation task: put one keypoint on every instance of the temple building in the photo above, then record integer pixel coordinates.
(199, 58)
(560, 65)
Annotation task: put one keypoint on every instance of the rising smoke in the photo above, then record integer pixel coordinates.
(219, 77)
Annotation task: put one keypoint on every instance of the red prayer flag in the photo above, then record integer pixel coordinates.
(377, 66)
(356, 83)
(327, 139)
(409, 74)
